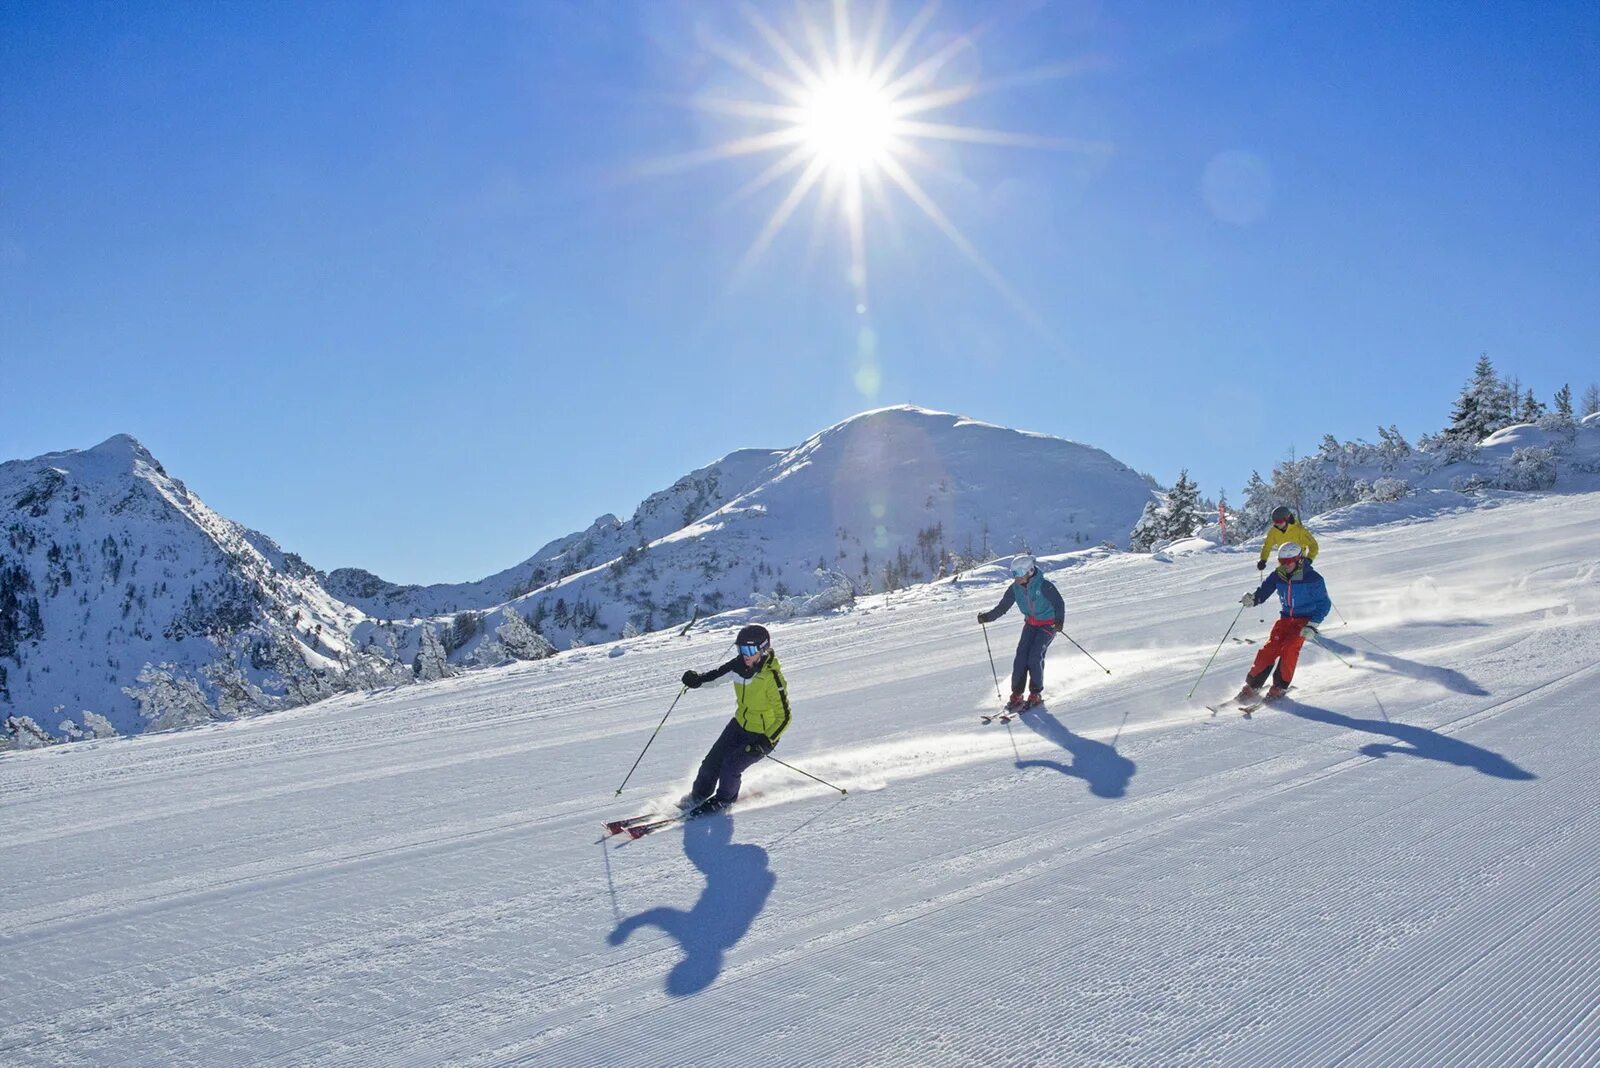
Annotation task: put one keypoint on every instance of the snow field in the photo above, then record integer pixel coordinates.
(1398, 867)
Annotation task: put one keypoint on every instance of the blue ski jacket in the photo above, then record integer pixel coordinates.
(1039, 600)
(1302, 591)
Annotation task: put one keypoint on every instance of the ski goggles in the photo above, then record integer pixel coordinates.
(751, 650)
(1019, 570)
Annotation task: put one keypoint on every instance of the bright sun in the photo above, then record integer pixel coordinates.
(848, 123)
(848, 118)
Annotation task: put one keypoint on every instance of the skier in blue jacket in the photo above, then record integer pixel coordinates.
(1304, 597)
(1041, 603)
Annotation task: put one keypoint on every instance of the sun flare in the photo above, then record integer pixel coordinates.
(848, 123)
(850, 119)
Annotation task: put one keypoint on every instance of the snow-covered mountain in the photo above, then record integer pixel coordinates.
(109, 564)
(692, 496)
(882, 500)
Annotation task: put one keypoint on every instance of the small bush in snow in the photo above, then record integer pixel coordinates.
(169, 701)
(1530, 468)
(97, 726)
(29, 735)
(1388, 489)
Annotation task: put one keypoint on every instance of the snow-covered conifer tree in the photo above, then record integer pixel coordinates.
(1564, 401)
(1531, 409)
(1591, 401)
(431, 663)
(522, 642)
(1183, 516)
(1147, 531)
(1483, 407)
(1258, 505)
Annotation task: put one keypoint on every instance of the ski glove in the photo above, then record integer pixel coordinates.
(763, 747)
(985, 617)
(1261, 565)
(1248, 600)
(1310, 630)
(692, 680)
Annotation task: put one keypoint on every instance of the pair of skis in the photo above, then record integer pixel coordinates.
(636, 827)
(1004, 716)
(1245, 708)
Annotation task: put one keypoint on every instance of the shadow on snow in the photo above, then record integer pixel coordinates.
(1414, 741)
(1448, 678)
(1105, 770)
(738, 883)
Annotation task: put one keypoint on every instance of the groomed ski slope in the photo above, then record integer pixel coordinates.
(1402, 866)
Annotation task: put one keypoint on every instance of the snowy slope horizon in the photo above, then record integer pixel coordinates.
(882, 500)
(895, 472)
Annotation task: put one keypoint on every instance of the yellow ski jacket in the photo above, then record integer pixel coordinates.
(1293, 532)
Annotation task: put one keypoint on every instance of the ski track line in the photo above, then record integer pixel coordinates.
(1445, 960)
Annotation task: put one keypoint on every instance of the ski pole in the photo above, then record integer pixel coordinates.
(1215, 651)
(653, 734)
(1343, 622)
(1318, 639)
(807, 774)
(992, 671)
(1085, 652)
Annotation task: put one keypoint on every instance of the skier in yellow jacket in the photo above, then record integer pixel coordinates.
(1286, 528)
(759, 719)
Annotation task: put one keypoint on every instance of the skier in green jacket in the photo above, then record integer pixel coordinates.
(760, 717)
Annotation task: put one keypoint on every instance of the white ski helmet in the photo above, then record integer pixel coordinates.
(1289, 551)
(1021, 565)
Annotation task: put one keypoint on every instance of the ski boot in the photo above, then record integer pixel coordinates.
(1276, 692)
(1035, 700)
(1247, 694)
(689, 802)
(1016, 704)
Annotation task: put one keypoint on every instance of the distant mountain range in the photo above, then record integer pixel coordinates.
(109, 564)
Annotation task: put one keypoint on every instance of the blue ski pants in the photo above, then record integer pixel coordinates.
(734, 750)
(1030, 657)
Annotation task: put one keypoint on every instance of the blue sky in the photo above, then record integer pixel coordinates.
(396, 284)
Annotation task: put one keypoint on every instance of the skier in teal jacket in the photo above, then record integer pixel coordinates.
(1044, 610)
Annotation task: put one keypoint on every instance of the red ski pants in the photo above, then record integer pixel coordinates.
(1283, 646)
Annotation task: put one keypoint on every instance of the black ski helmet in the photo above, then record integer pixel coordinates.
(1282, 514)
(753, 634)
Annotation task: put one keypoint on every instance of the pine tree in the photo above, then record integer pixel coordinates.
(1183, 516)
(431, 662)
(521, 641)
(1258, 504)
(1147, 531)
(1564, 401)
(1532, 409)
(1483, 407)
(1591, 401)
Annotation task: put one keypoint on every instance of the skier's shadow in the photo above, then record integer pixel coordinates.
(1105, 770)
(738, 883)
(1449, 678)
(1414, 741)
